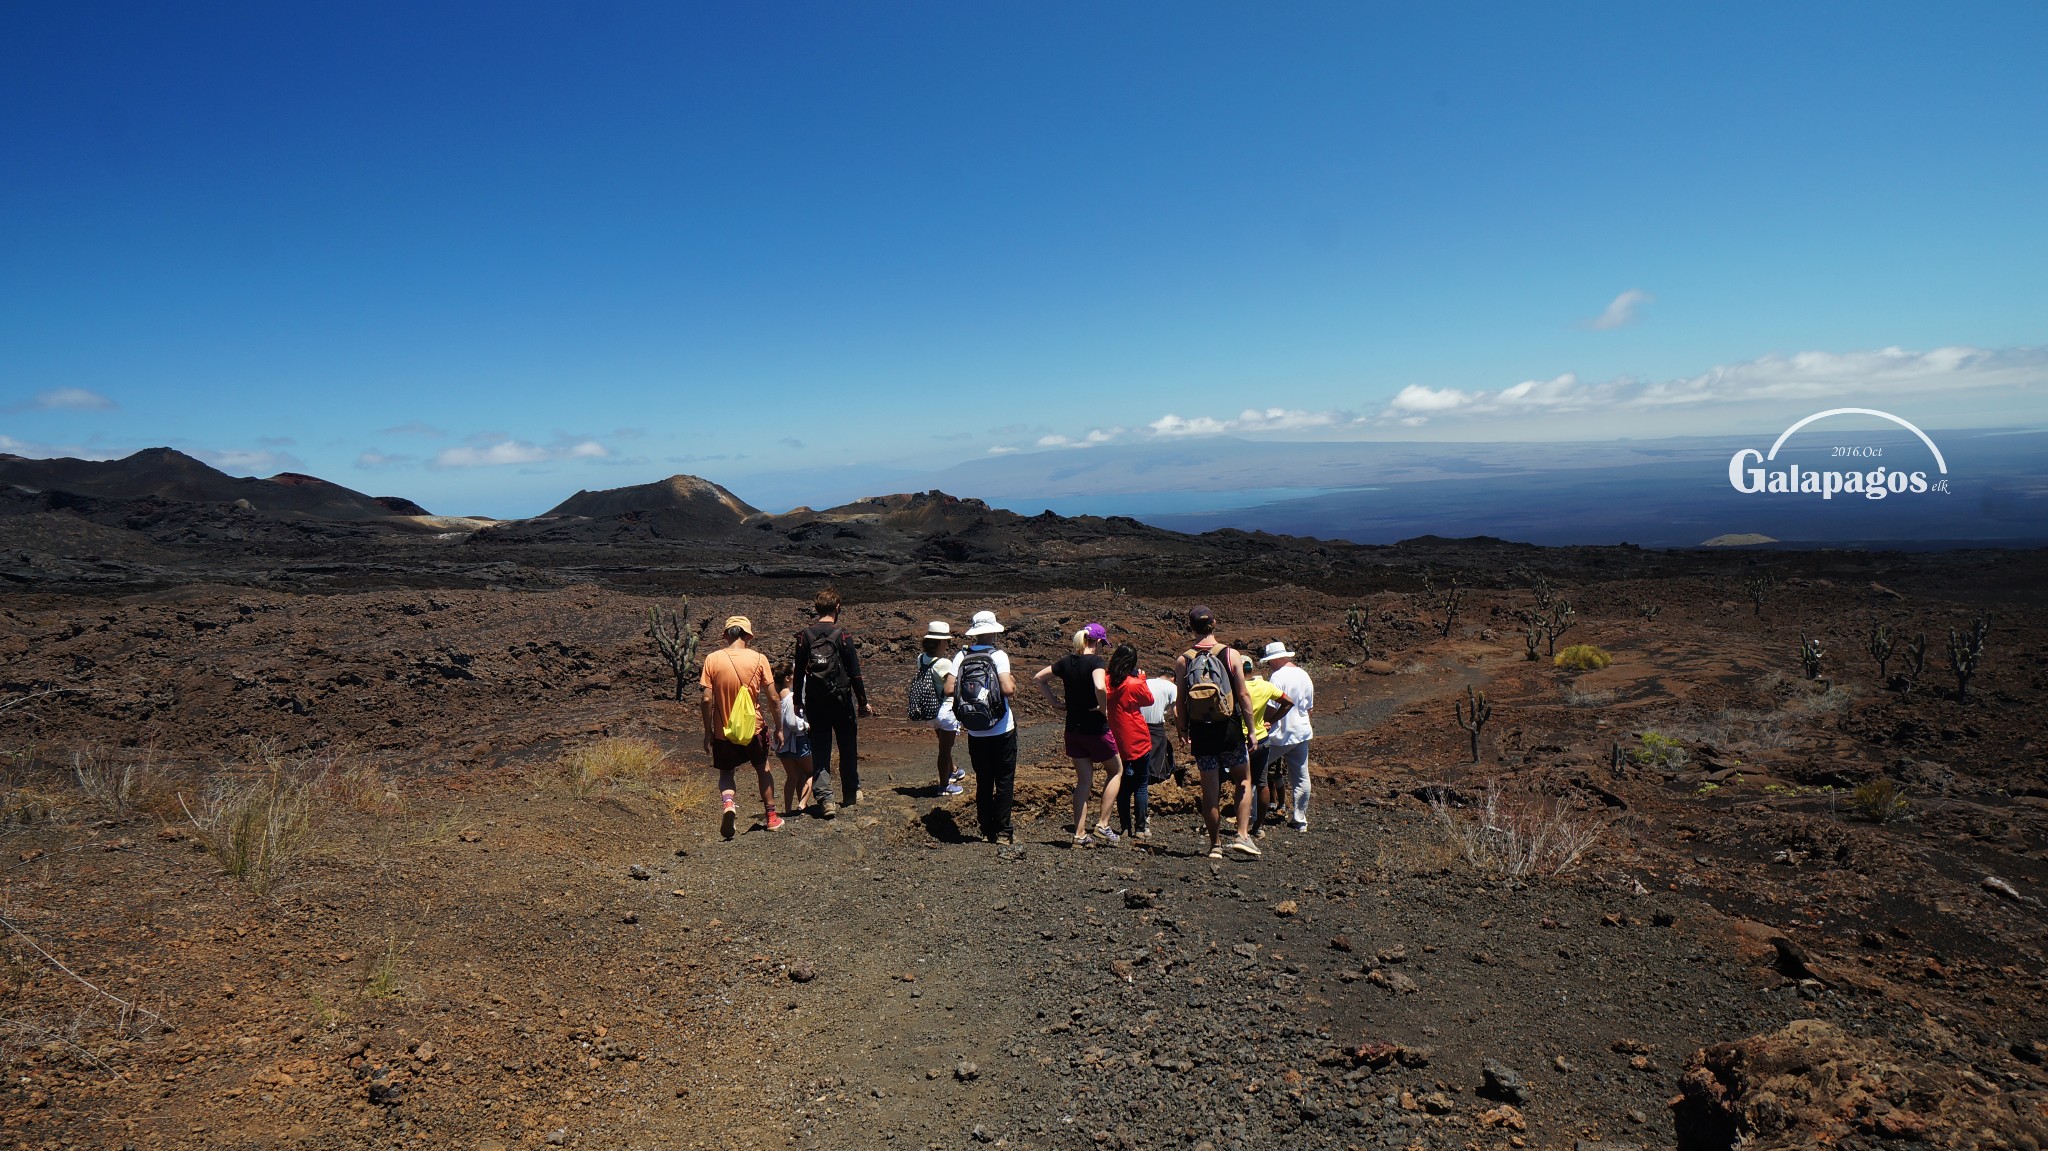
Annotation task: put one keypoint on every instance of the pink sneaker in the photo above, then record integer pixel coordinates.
(774, 822)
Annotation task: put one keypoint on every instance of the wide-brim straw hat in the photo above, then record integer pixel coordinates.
(1276, 650)
(938, 629)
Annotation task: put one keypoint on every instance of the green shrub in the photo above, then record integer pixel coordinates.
(1658, 750)
(1582, 657)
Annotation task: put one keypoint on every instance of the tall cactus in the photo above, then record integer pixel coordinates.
(1880, 644)
(1563, 618)
(1916, 661)
(1964, 651)
(1482, 710)
(1759, 588)
(678, 648)
(1446, 601)
(1356, 626)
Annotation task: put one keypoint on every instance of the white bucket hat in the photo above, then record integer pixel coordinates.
(984, 624)
(938, 629)
(1276, 650)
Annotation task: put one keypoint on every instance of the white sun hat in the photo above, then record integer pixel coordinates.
(984, 624)
(938, 629)
(1276, 650)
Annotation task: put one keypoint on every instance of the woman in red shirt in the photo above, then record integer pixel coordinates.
(1128, 692)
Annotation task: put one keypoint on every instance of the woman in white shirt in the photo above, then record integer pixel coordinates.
(937, 634)
(795, 749)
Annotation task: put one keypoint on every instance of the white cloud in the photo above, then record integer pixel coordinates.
(415, 428)
(1803, 376)
(372, 460)
(65, 400)
(1003, 450)
(1622, 311)
(1250, 420)
(1053, 441)
(494, 452)
(1173, 425)
(1416, 398)
(236, 461)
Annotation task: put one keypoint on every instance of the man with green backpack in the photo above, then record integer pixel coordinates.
(741, 719)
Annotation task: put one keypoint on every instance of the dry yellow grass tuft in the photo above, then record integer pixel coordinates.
(364, 787)
(613, 762)
(679, 798)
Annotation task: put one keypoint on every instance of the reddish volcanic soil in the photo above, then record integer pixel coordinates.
(472, 947)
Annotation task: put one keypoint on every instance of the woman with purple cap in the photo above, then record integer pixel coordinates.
(1085, 681)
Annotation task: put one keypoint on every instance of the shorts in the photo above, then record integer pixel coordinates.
(1097, 747)
(1231, 764)
(794, 746)
(944, 721)
(727, 756)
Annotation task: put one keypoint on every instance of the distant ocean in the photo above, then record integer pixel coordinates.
(1673, 494)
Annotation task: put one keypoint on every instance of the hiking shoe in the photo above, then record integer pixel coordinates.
(1083, 841)
(950, 789)
(774, 822)
(728, 822)
(958, 775)
(1105, 834)
(1260, 833)
(1243, 845)
(1009, 839)
(1302, 826)
(1215, 851)
(1142, 833)
(827, 810)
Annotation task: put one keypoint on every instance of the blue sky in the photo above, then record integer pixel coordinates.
(484, 255)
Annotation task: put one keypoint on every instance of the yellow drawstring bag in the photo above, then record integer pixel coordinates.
(743, 722)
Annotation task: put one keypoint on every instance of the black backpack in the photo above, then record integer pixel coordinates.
(978, 701)
(823, 663)
(925, 690)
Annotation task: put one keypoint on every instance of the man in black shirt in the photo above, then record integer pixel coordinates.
(830, 694)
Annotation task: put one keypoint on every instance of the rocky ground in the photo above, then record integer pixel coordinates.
(476, 949)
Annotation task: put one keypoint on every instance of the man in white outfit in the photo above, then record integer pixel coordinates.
(1292, 732)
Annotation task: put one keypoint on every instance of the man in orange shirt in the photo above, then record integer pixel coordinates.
(739, 701)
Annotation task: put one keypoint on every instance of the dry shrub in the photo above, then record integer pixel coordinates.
(257, 825)
(1582, 657)
(1880, 801)
(1576, 696)
(1519, 838)
(678, 798)
(1814, 703)
(26, 802)
(122, 782)
(363, 786)
(612, 762)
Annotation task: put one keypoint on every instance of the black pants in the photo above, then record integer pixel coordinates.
(994, 758)
(833, 716)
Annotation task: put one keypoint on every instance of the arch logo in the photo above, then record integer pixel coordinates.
(1750, 471)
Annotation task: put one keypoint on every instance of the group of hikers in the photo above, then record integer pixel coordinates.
(1241, 728)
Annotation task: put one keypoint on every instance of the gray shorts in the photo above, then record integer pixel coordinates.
(1230, 764)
